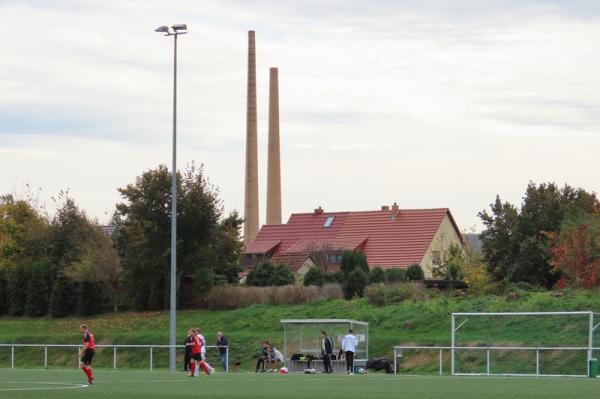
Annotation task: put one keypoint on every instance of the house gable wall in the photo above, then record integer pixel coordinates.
(445, 236)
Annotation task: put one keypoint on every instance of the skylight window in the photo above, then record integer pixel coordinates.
(329, 221)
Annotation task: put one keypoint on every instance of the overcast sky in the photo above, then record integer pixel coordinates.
(426, 103)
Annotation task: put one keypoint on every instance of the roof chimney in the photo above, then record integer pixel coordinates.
(385, 208)
(395, 207)
(318, 211)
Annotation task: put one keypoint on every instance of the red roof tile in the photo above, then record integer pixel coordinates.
(389, 238)
(293, 260)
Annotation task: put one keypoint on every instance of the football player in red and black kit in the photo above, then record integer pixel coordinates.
(87, 352)
(197, 361)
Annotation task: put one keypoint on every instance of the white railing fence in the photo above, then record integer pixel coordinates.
(115, 350)
(443, 354)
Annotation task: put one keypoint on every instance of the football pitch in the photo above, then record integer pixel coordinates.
(162, 384)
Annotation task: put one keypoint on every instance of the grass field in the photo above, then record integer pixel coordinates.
(64, 384)
(408, 323)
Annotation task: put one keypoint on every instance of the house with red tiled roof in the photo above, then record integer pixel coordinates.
(390, 238)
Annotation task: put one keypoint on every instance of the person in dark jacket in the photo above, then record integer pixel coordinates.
(326, 351)
(188, 351)
(222, 344)
(266, 356)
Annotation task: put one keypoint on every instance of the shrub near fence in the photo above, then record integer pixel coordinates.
(388, 294)
(235, 297)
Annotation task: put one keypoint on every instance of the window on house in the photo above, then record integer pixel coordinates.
(436, 258)
(329, 221)
(334, 258)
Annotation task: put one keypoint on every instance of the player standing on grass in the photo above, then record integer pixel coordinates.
(211, 370)
(87, 352)
(197, 361)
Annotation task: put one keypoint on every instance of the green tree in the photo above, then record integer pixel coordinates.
(415, 272)
(41, 275)
(206, 247)
(352, 260)
(266, 274)
(225, 249)
(62, 301)
(98, 269)
(515, 243)
(355, 284)
(283, 275)
(376, 275)
(314, 276)
(3, 292)
(451, 267)
(18, 277)
(395, 275)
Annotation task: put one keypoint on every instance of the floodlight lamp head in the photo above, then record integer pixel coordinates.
(163, 29)
(178, 27)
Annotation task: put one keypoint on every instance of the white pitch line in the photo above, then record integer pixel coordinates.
(64, 385)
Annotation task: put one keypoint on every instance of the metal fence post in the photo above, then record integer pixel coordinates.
(12, 357)
(45, 357)
(150, 358)
(441, 362)
(537, 362)
(488, 362)
(452, 344)
(78, 359)
(395, 360)
(114, 357)
(227, 359)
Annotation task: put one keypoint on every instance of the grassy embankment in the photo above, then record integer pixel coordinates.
(423, 323)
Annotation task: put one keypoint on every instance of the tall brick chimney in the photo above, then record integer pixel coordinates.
(273, 163)
(251, 183)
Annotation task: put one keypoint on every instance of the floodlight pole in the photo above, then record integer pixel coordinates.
(175, 31)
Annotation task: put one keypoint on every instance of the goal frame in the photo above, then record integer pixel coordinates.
(453, 328)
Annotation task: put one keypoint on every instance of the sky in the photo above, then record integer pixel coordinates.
(425, 103)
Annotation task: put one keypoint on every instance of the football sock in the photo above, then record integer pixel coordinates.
(204, 366)
(193, 368)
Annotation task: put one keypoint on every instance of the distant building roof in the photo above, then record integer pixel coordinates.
(389, 237)
(109, 230)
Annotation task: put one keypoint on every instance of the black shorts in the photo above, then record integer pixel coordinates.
(197, 356)
(87, 357)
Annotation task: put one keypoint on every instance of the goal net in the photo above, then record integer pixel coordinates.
(523, 343)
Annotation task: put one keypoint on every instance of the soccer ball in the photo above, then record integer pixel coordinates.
(362, 371)
(283, 370)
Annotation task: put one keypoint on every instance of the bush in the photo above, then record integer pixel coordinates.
(414, 272)
(266, 274)
(334, 278)
(61, 300)
(18, 277)
(235, 297)
(92, 298)
(283, 276)
(454, 273)
(39, 289)
(389, 294)
(352, 260)
(376, 275)
(395, 275)
(355, 284)
(314, 276)
(3, 292)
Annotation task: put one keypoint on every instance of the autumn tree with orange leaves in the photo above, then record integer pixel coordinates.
(575, 251)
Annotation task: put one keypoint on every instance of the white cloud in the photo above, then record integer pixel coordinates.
(430, 103)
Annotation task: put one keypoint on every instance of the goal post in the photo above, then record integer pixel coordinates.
(584, 321)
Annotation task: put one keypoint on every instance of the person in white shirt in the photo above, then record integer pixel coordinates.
(349, 344)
